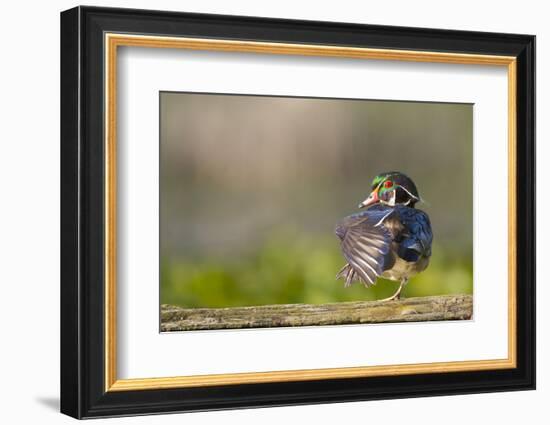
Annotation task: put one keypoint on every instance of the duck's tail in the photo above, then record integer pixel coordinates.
(350, 275)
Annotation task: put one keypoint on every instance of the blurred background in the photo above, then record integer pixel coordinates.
(252, 186)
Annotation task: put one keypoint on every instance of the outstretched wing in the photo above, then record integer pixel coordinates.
(365, 243)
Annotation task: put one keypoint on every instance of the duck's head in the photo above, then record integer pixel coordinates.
(392, 188)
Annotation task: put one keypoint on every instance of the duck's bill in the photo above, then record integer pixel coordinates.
(372, 199)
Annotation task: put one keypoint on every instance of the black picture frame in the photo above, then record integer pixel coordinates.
(83, 392)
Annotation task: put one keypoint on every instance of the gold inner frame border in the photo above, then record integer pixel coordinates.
(113, 40)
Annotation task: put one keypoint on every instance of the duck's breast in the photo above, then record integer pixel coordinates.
(405, 269)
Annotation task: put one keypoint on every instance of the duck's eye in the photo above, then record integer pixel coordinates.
(388, 184)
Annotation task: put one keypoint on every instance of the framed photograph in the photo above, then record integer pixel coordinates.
(261, 212)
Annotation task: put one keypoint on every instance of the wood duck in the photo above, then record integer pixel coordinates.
(391, 238)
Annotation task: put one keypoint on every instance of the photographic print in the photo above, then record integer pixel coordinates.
(289, 211)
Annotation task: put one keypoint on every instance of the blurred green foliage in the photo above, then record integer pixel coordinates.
(296, 269)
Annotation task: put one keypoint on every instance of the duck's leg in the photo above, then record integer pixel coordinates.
(397, 294)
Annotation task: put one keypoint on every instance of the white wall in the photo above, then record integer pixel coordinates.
(29, 225)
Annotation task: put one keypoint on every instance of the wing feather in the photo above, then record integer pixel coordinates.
(365, 243)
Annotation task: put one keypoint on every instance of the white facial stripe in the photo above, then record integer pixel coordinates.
(410, 194)
(391, 202)
(392, 199)
(380, 184)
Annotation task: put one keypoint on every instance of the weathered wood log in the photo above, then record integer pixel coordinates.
(445, 307)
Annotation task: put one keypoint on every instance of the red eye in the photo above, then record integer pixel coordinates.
(388, 184)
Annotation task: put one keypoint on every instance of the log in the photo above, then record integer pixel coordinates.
(444, 307)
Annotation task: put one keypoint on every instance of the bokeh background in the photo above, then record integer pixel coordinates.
(252, 186)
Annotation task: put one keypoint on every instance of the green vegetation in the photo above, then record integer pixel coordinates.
(291, 269)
